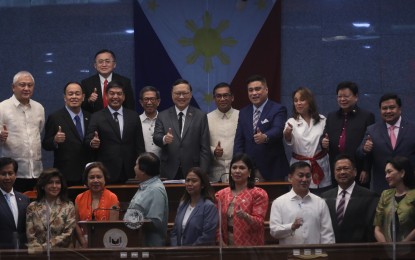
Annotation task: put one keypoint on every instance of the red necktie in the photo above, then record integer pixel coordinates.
(104, 95)
(342, 139)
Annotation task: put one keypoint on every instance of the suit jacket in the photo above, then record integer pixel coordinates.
(357, 122)
(357, 225)
(200, 227)
(270, 158)
(382, 150)
(7, 225)
(190, 150)
(71, 156)
(89, 84)
(116, 153)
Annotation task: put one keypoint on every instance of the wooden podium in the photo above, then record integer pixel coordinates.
(112, 234)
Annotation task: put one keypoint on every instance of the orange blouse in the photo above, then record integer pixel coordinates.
(84, 205)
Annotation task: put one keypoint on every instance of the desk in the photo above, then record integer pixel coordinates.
(125, 193)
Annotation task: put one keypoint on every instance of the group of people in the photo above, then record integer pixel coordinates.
(99, 123)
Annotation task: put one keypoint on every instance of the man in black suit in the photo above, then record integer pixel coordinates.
(94, 86)
(184, 145)
(64, 135)
(13, 206)
(345, 129)
(352, 219)
(116, 135)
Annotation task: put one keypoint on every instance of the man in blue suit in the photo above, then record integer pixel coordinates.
(259, 131)
(13, 206)
(386, 139)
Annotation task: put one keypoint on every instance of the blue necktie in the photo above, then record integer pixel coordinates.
(78, 126)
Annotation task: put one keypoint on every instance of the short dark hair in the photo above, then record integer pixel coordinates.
(181, 81)
(251, 167)
(69, 83)
(105, 51)
(298, 165)
(344, 156)
(222, 85)
(257, 78)
(147, 89)
(403, 163)
(4, 161)
(348, 85)
(206, 191)
(98, 165)
(388, 96)
(149, 163)
(44, 179)
(115, 84)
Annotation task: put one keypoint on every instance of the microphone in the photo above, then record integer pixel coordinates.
(112, 208)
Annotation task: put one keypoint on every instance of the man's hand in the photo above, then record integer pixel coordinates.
(93, 97)
(218, 152)
(60, 136)
(4, 134)
(168, 138)
(95, 142)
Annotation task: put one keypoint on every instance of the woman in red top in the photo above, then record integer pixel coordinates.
(242, 206)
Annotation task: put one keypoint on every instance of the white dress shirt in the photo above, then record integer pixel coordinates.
(148, 131)
(316, 228)
(222, 127)
(24, 124)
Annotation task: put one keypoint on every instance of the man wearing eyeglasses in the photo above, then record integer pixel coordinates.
(149, 100)
(182, 132)
(222, 127)
(94, 86)
(21, 123)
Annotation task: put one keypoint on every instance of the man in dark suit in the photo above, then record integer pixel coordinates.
(94, 86)
(13, 206)
(352, 220)
(345, 129)
(260, 131)
(386, 139)
(64, 135)
(116, 136)
(185, 144)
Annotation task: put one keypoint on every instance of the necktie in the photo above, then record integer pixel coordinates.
(12, 207)
(78, 126)
(342, 139)
(104, 95)
(256, 118)
(392, 136)
(340, 208)
(180, 122)
(115, 114)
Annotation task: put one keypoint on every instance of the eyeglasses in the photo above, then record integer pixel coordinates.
(151, 99)
(224, 96)
(178, 94)
(100, 62)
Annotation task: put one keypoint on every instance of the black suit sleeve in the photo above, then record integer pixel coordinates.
(140, 139)
(51, 129)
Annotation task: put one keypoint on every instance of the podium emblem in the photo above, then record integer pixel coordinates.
(115, 238)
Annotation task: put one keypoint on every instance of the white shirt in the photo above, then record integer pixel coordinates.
(24, 124)
(222, 127)
(346, 197)
(316, 228)
(148, 131)
(305, 141)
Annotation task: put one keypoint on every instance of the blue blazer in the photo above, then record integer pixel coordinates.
(201, 225)
(382, 150)
(7, 224)
(269, 158)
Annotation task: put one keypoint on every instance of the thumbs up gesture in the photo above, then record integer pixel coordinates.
(288, 132)
(60, 136)
(4, 134)
(168, 138)
(259, 137)
(325, 142)
(93, 97)
(368, 146)
(95, 142)
(218, 152)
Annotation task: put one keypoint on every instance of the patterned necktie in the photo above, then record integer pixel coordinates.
(78, 126)
(340, 208)
(104, 95)
(392, 136)
(180, 122)
(342, 139)
(256, 118)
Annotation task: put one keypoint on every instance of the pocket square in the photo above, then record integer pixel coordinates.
(264, 121)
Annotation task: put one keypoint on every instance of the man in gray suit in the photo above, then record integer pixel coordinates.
(182, 132)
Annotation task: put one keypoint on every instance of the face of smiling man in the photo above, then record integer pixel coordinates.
(73, 97)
